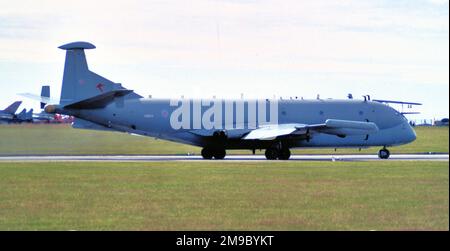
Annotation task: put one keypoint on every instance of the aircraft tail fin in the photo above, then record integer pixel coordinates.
(22, 114)
(45, 92)
(79, 83)
(11, 109)
(29, 114)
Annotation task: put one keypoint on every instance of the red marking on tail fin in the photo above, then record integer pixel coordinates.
(100, 86)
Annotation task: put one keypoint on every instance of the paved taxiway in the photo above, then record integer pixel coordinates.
(124, 158)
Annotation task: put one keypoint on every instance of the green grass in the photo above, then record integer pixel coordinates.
(214, 195)
(63, 140)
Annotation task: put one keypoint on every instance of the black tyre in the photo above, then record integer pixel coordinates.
(219, 154)
(384, 154)
(284, 154)
(271, 153)
(207, 153)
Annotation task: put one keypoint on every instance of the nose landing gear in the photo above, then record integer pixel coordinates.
(384, 153)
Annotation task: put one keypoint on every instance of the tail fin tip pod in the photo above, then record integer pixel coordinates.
(77, 45)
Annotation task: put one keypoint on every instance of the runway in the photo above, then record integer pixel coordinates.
(236, 158)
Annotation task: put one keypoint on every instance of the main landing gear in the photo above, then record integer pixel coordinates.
(210, 152)
(274, 153)
(384, 153)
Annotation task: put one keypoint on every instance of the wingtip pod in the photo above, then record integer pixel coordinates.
(77, 45)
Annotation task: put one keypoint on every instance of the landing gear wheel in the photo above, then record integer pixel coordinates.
(384, 153)
(207, 153)
(219, 154)
(284, 154)
(272, 153)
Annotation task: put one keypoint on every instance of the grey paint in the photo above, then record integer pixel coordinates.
(393, 126)
(151, 117)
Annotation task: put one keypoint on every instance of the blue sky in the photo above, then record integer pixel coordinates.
(389, 49)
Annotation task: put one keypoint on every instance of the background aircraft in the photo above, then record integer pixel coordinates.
(21, 117)
(24, 116)
(9, 112)
(9, 115)
(44, 116)
(217, 125)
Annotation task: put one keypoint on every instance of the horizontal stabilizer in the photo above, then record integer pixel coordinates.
(46, 100)
(99, 101)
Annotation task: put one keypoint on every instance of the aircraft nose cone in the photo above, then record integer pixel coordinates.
(410, 134)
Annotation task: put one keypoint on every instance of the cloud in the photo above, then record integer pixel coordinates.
(320, 42)
(439, 2)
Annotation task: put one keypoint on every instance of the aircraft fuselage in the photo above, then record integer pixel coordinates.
(185, 121)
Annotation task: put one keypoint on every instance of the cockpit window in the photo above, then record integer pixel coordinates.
(399, 114)
(403, 117)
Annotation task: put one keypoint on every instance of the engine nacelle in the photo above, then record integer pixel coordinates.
(220, 134)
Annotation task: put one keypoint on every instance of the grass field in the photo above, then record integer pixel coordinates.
(211, 195)
(224, 196)
(63, 140)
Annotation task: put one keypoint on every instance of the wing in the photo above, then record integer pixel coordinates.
(271, 132)
(336, 127)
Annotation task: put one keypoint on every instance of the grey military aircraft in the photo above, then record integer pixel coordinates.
(9, 116)
(9, 112)
(22, 117)
(43, 117)
(217, 125)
